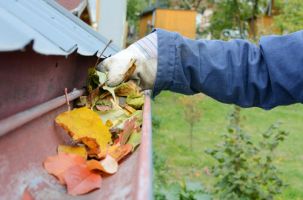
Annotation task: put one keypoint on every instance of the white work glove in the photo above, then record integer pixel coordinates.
(144, 52)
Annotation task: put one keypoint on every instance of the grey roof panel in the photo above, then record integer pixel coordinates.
(14, 37)
(53, 30)
(9, 33)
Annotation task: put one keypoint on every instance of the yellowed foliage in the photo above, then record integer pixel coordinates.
(84, 125)
(78, 150)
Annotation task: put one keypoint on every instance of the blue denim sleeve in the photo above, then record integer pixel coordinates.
(236, 71)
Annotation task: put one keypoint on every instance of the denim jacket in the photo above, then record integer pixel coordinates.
(236, 71)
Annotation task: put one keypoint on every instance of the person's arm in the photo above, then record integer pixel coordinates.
(237, 71)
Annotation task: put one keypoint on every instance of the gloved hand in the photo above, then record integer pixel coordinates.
(144, 52)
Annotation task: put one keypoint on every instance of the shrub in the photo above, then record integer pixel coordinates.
(245, 169)
(186, 190)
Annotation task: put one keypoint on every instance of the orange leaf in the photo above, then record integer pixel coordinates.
(117, 151)
(80, 180)
(58, 164)
(84, 125)
(91, 143)
(108, 165)
(27, 195)
(111, 149)
(123, 151)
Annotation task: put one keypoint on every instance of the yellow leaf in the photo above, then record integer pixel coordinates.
(84, 125)
(79, 150)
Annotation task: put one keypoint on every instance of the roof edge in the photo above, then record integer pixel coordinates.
(81, 23)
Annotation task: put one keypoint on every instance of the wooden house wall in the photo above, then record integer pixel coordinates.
(181, 21)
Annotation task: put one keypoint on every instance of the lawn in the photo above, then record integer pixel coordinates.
(171, 139)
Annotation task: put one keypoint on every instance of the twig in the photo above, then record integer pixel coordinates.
(66, 99)
(107, 45)
(197, 5)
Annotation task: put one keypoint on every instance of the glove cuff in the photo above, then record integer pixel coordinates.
(147, 47)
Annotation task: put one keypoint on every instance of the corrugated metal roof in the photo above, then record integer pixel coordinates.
(53, 30)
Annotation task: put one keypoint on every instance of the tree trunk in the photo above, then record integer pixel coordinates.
(191, 128)
(254, 15)
(191, 145)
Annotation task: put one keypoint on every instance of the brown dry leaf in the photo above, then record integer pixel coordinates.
(129, 109)
(58, 164)
(84, 125)
(108, 165)
(93, 97)
(128, 128)
(80, 180)
(125, 89)
(103, 108)
(78, 150)
(130, 71)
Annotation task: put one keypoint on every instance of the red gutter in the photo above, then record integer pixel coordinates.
(15, 121)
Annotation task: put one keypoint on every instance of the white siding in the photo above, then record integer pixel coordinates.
(112, 20)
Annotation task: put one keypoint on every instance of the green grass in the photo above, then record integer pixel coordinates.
(171, 139)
